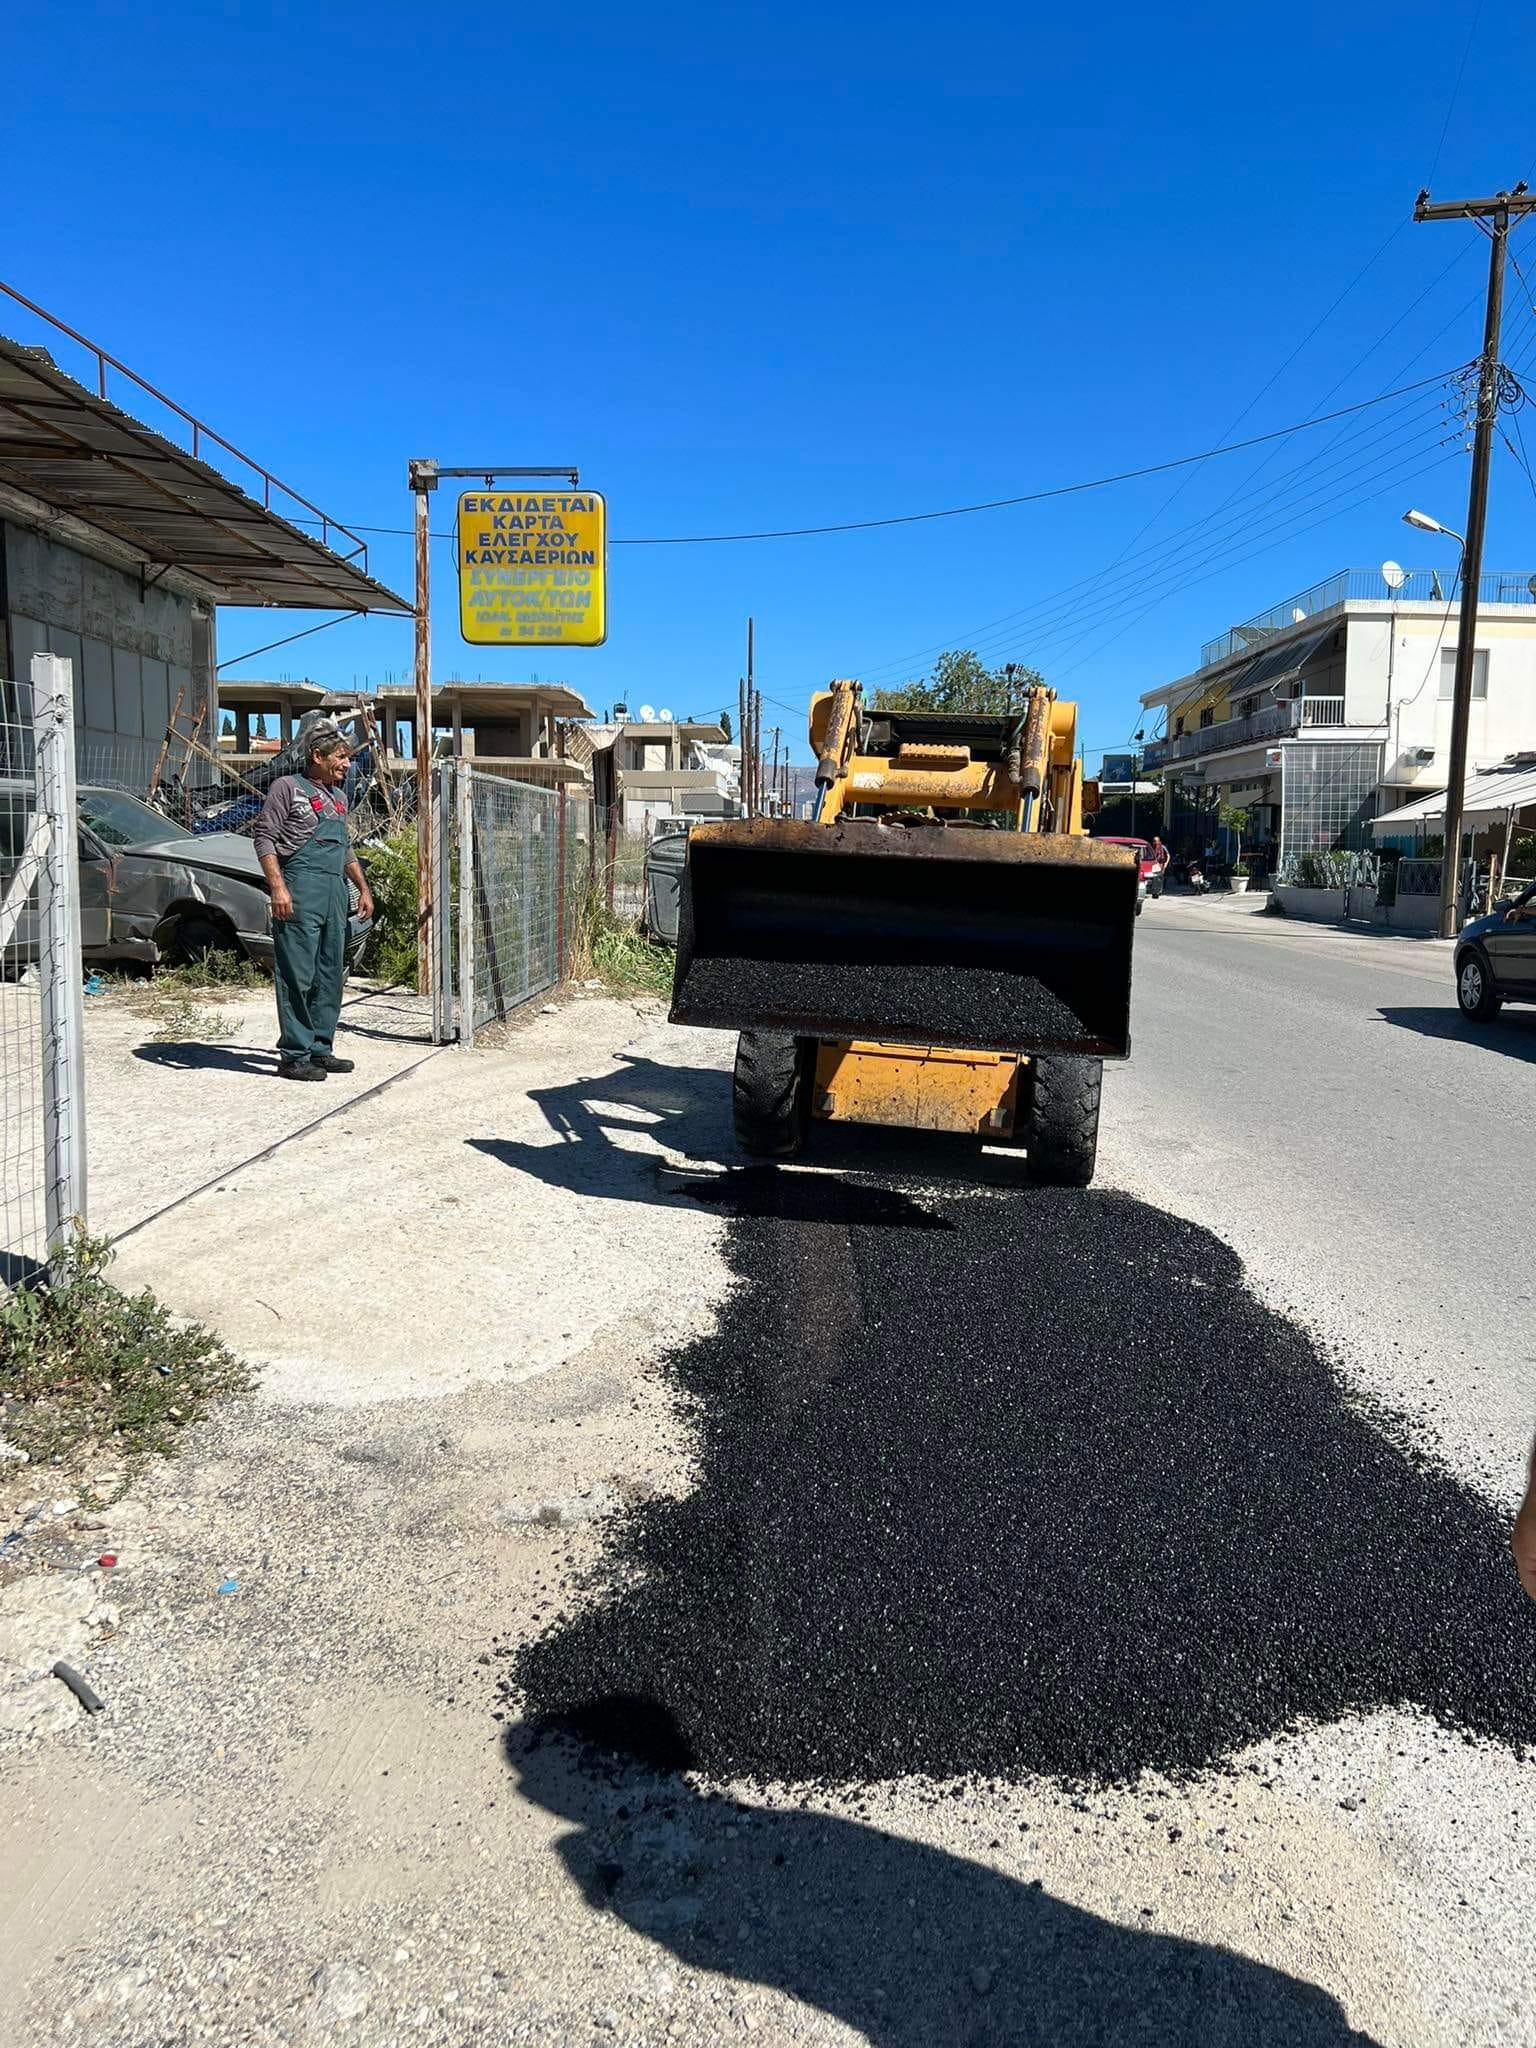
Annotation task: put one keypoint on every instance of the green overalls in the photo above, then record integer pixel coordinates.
(310, 947)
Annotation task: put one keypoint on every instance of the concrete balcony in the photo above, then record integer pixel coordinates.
(1275, 721)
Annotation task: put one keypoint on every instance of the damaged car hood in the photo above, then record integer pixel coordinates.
(221, 853)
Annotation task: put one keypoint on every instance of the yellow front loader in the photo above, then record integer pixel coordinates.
(942, 947)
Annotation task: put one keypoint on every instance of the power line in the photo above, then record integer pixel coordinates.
(1477, 14)
(251, 652)
(1097, 483)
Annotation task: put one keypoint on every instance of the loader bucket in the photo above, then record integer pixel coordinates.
(994, 940)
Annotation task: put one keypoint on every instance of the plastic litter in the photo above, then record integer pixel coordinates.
(107, 1560)
(230, 1586)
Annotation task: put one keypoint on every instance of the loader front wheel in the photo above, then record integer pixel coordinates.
(771, 1093)
(1061, 1131)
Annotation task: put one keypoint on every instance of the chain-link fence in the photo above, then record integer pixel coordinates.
(523, 864)
(42, 1066)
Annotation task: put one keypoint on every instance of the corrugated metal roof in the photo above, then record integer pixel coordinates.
(81, 454)
(1489, 794)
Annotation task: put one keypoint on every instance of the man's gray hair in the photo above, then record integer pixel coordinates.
(323, 737)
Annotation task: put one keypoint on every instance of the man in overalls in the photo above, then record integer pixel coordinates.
(301, 842)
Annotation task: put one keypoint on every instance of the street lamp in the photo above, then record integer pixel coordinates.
(1425, 524)
(1461, 713)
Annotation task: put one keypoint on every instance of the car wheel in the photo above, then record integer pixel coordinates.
(193, 937)
(1475, 991)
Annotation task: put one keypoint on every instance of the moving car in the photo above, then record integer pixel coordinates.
(1146, 863)
(1496, 959)
(150, 889)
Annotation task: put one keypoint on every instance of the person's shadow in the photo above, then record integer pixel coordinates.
(909, 1944)
(191, 1055)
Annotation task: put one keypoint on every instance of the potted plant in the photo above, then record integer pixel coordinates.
(1234, 817)
(1242, 875)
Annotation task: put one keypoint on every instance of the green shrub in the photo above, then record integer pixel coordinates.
(390, 865)
(81, 1362)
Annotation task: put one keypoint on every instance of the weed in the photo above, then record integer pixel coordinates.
(615, 950)
(180, 1020)
(81, 1362)
(390, 865)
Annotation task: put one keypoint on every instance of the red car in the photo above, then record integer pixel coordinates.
(1146, 864)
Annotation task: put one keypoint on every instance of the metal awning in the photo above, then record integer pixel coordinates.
(1280, 663)
(82, 455)
(1489, 795)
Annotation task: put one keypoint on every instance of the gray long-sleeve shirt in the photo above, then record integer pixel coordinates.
(288, 816)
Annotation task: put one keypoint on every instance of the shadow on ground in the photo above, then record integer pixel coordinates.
(191, 1055)
(909, 1945)
(687, 1110)
(1042, 1489)
(1512, 1033)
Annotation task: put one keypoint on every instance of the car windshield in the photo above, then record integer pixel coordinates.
(118, 819)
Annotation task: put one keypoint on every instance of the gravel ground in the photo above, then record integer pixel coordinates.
(300, 1818)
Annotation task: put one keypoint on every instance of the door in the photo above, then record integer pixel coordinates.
(1511, 946)
(95, 894)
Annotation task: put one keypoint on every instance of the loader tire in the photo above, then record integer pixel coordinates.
(771, 1093)
(1061, 1134)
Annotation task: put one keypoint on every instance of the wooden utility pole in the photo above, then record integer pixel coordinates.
(751, 727)
(1494, 215)
(423, 481)
(742, 742)
(773, 773)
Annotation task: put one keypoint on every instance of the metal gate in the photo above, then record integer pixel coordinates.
(515, 867)
(42, 1054)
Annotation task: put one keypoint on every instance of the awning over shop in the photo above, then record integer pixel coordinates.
(78, 453)
(1490, 795)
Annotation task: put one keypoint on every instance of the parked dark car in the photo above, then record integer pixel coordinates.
(150, 889)
(1496, 959)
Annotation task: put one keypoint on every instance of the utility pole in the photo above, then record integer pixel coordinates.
(751, 728)
(422, 476)
(773, 775)
(742, 742)
(1494, 215)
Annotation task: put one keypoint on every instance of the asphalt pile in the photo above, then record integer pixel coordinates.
(939, 1005)
(1006, 1484)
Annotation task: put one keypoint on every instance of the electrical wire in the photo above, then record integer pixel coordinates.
(251, 652)
(1477, 15)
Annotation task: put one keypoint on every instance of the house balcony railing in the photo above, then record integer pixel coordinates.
(1419, 586)
(1275, 721)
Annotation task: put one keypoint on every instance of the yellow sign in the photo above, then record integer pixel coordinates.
(533, 568)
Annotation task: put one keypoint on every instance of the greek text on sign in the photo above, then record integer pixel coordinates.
(533, 568)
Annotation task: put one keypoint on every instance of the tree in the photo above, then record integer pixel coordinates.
(261, 725)
(725, 723)
(961, 681)
(228, 727)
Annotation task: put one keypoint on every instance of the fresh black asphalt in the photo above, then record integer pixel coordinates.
(1015, 1482)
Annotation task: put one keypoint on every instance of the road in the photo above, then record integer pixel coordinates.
(1047, 1493)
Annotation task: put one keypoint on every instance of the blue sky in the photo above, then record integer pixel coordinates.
(761, 267)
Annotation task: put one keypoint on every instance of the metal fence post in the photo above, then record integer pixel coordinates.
(58, 932)
(469, 882)
(440, 935)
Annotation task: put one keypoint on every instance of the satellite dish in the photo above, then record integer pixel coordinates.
(666, 716)
(647, 714)
(1297, 615)
(1394, 575)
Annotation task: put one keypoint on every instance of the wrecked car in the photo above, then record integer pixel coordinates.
(150, 889)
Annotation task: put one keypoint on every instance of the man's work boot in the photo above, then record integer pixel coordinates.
(328, 1063)
(300, 1070)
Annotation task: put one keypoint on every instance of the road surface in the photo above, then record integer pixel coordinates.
(311, 1809)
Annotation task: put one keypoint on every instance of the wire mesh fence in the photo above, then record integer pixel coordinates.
(42, 1068)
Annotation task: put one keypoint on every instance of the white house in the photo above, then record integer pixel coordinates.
(1335, 706)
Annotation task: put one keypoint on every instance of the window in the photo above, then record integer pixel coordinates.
(1207, 716)
(1178, 728)
(1479, 674)
(120, 820)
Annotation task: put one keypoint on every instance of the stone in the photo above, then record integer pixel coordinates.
(340, 1993)
(41, 1706)
(42, 1619)
(981, 1980)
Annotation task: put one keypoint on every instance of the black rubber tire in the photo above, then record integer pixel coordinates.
(1061, 1130)
(193, 937)
(1475, 995)
(771, 1093)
